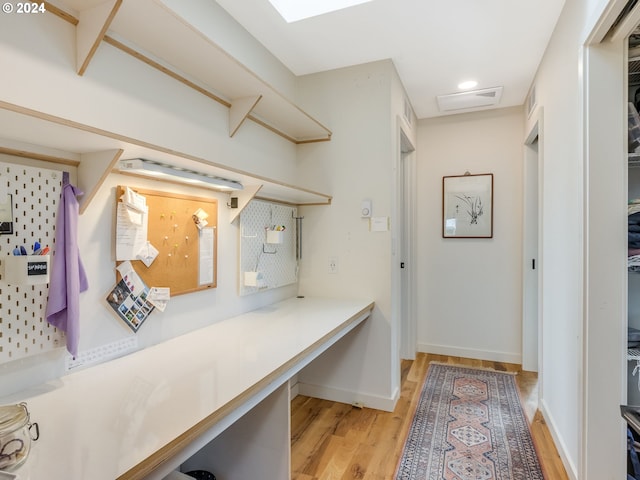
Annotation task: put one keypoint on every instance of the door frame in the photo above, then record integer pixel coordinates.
(530, 361)
(603, 354)
(406, 178)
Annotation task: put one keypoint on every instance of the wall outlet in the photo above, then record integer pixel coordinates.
(333, 265)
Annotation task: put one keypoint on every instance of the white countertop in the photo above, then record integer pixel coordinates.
(101, 422)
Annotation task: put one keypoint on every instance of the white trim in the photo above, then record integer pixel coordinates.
(350, 397)
(598, 27)
(491, 356)
(603, 344)
(294, 387)
(407, 165)
(572, 471)
(627, 25)
(537, 131)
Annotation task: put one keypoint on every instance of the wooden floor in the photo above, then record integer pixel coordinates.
(337, 441)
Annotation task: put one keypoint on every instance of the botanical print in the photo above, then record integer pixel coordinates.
(474, 208)
(467, 206)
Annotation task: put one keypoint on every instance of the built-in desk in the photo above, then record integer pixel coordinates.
(145, 414)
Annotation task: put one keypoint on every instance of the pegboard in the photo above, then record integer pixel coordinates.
(35, 195)
(275, 262)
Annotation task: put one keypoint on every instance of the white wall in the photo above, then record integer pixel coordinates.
(470, 289)
(357, 164)
(557, 88)
(122, 95)
(583, 273)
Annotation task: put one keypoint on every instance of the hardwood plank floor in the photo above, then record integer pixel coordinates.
(337, 441)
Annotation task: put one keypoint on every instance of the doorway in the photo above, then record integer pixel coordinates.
(530, 250)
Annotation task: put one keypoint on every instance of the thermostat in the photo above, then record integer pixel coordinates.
(366, 208)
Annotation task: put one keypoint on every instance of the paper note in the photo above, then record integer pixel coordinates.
(128, 297)
(200, 218)
(131, 279)
(205, 256)
(130, 238)
(147, 254)
(136, 206)
(159, 297)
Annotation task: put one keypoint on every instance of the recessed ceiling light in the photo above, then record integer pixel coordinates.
(294, 10)
(467, 85)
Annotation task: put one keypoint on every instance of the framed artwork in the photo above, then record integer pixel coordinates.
(467, 206)
(6, 216)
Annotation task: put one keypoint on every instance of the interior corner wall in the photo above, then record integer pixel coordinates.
(470, 288)
(356, 164)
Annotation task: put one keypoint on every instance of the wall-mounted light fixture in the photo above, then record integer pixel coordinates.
(157, 170)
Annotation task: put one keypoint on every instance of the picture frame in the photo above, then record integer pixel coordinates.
(467, 206)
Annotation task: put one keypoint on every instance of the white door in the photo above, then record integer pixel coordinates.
(531, 264)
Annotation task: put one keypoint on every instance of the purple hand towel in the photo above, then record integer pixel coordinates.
(68, 277)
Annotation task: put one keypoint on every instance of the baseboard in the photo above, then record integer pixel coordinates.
(294, 390)
(515, 358)
(349, 397)
(569, 466)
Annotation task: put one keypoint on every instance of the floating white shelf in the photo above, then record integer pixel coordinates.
(154, 33)
(96, 152)
(164, 38)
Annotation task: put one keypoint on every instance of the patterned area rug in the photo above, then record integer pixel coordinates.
(469, 425)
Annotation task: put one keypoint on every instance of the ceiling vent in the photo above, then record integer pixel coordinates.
(485, 97)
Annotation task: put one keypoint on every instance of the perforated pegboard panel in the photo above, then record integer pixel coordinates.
(275, 261)
(35, 196)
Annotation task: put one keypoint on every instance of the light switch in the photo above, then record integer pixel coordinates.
(379, 224)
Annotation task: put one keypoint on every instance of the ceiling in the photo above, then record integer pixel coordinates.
(434, 44)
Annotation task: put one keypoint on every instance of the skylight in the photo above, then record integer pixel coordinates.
(294, 10)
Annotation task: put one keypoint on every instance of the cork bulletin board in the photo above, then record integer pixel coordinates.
(174, 233)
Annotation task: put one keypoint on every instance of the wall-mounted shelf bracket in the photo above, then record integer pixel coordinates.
(239, 111)
(244, 197)
(92, 172)
(93, 24)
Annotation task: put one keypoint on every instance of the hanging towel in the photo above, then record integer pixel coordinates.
(68, 277)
